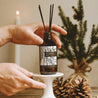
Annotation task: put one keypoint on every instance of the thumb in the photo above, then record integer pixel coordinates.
(24, 71)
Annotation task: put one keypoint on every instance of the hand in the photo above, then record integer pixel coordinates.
(32, 34)
(14, 79)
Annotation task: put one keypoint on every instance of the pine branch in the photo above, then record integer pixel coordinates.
(81, 49)
(63, 17)
(75, 9)
(72, 32)
(94, 36)
(92, 58)
(73, 45)
(94, 51)
(62, 54)
(80, 8)
(79, 13)
(89, 48)
(94, 39)
(65, 47)
(93, 55)
(84, 29)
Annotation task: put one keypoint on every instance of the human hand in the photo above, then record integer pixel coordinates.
(32, 34)
(14, 79)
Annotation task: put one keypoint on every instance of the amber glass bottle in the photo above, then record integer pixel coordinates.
(48, 55)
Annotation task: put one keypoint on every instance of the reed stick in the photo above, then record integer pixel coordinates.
(42, 18)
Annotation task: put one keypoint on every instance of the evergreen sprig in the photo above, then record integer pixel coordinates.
(73, 46)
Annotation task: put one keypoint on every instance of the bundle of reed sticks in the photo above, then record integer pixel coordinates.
(50, 17)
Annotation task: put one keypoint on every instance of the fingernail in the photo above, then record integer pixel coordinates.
(59, 47)
(41, 41)
(65, 33)
(43, 86)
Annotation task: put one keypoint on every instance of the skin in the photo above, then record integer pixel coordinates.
(16, 78)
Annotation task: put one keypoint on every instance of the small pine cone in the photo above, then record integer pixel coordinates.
(77, 16)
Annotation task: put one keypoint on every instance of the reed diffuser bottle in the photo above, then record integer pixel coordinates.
(48, 50)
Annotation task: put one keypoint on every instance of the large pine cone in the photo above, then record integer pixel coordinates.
(76, 86)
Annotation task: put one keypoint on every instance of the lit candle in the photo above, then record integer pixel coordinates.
(18, 21)
(17, 47)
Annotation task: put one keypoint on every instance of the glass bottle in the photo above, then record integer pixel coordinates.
(48, 55)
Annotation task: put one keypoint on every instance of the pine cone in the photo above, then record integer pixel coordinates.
(68, 89)
(82, 89)
(62, 88)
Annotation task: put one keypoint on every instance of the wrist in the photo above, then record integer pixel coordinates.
(6, 34)
(11, 29)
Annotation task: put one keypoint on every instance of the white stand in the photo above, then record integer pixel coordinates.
(48, 80)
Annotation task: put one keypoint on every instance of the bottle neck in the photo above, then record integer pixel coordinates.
(47, 36)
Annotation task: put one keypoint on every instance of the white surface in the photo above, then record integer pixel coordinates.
(48, 80)
(54, 75)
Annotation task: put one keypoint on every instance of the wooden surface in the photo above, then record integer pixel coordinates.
(21, 96)
(29, 93)
(35, 93)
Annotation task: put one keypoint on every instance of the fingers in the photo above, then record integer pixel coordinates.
(9, 90)
(57, 29)
(30, 82)
(24, 71)
(56, 40)
(36, 40)
(36, 84)
(3, 91)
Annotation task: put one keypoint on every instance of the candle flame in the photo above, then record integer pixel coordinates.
(17, 12)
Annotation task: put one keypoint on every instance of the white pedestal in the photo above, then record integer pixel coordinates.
(48, 80)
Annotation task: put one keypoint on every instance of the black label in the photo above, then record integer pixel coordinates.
(50, 54)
